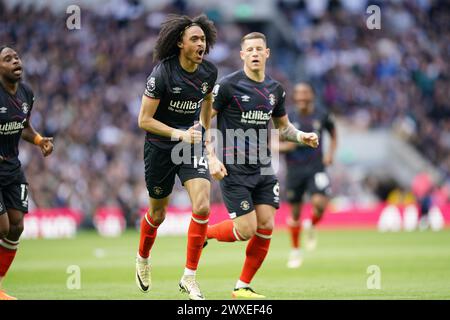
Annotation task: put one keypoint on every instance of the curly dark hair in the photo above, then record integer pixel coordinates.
(172, 31)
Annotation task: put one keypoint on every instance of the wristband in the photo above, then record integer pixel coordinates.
(37, 139)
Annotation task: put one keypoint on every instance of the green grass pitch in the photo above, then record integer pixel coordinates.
(413, 266)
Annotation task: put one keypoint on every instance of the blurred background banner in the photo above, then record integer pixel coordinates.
(388, 88)
(52, 223)
(109, 221)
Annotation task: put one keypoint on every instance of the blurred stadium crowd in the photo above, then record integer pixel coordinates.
(398, 76)
(89, 82)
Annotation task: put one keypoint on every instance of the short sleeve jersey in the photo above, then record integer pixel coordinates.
(180, 93)
(304, 158)
(245, 108)
(14, 113)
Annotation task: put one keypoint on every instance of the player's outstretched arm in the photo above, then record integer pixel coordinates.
(30, 135)
(150, 124)
(290, 133)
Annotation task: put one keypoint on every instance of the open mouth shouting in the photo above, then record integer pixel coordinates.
(200, 53)
(17, 71)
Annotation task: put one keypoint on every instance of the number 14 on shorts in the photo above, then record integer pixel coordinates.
(200, 162)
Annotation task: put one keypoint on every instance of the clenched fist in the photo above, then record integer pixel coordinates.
(216, 168)
(46, 146)
(309, 138)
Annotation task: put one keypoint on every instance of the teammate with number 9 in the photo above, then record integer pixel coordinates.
(245, 101)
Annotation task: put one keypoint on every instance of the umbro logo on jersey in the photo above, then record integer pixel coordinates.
(245, 98)
(3, 109)
(176, 90)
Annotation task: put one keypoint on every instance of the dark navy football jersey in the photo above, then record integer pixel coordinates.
(14, 112)
(181, 94)
(304, 158)
(245, 108)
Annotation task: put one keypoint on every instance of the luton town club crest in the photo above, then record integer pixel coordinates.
(204, 87)
(158, 190)
(245, 205)
(272, 99)
(25, 107)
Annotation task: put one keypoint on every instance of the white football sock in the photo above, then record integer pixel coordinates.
(189, 272)
(242, 284)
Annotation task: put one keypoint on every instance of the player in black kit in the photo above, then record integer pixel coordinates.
(178, 92)
(244, 102)
(306, 169)
(16, 102)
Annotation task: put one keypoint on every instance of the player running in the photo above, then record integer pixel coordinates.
(244, 102)
(306, 169)
(16, 102)
(178, 91)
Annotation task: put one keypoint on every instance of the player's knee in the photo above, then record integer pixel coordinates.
(246, 231)
(158, 215)
(320, 204)
(202, 208)
(266, 225)
(15, 230)
(320, 207)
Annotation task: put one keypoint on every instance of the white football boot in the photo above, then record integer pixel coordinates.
(295, 259)
(143, 274)
(189, 285)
